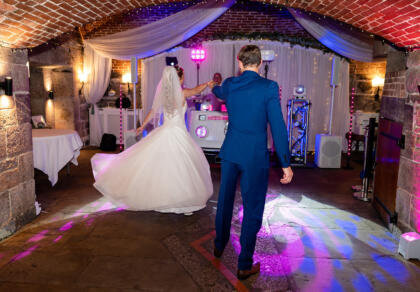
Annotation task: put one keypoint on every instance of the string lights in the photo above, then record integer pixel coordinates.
(349, 146)
(121, 119)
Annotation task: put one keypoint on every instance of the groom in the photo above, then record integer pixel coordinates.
(252, 102)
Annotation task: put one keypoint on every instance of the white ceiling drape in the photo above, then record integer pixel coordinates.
(352, 44)
(141, 42)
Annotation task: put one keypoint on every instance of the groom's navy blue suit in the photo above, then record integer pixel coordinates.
(252, 102)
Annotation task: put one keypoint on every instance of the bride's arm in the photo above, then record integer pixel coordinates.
(196, 90)
(145, 122)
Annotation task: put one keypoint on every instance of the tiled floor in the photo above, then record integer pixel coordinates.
(315, 237)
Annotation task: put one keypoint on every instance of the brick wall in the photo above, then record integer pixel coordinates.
(17, 187)
(70, 110)
(401, 103)
(361, 75)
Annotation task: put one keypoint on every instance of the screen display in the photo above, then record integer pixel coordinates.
(201, 117)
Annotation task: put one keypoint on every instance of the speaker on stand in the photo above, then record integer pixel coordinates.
(327, 147)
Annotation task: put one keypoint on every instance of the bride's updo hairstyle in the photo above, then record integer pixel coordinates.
(179, 71)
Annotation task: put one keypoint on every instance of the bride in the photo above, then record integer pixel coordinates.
(166, 171)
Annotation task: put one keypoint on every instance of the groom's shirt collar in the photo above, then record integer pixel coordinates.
(249, 73)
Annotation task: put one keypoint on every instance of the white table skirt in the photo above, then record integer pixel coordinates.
(53, 149)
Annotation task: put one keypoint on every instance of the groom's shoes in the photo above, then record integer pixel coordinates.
(217, 252)
(245, 274)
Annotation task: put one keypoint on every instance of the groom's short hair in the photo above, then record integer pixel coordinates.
(250, 55)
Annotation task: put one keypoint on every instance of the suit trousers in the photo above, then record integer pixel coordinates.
(254, 184)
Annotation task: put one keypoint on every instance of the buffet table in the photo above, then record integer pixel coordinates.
(53, 149)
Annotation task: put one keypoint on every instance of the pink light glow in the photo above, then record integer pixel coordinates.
(67, 226)
(198, 54)
(38, 236)
(24, 253)
(201, 131)
(223, 108)
(58, 238)
(411, 236)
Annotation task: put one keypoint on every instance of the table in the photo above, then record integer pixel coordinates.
(53, 149)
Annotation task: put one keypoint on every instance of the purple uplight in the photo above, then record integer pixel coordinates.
(201, 131)
(198, 55)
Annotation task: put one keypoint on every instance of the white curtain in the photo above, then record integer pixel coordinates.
(144, 41)
(291, 66)
(352, 44)
(98, 72)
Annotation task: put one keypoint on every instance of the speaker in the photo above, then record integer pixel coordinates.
(335, 68)
(134, 78)
(328, 151)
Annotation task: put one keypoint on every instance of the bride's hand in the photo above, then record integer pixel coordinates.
(211, 84)
(139, 130)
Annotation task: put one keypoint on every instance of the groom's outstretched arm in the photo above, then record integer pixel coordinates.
(221, 91)
(278, 127)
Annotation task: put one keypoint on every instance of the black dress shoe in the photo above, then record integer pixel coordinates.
(217, 252)
(245, 274)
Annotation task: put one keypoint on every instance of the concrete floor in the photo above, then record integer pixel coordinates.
(315, 237)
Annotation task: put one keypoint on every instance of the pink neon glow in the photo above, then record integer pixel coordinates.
(223, 108)
(38, 236)
(106, 206)
(67, 226)
(217, 118)
(198, 54)
(201, 131)
(411, 236)
(58, 238)
(24, 253)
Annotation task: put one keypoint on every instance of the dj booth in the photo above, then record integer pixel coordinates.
(208, 128)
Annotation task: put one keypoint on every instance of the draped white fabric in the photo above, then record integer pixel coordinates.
(144, 41)
(292, 66)
(351, 44)
(98, 72)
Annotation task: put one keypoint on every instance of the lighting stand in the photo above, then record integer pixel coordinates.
(363, 195)
(198, 73)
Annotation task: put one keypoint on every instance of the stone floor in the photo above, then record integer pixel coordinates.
(315, 237)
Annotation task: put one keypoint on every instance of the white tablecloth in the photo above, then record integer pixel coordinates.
(53, 149)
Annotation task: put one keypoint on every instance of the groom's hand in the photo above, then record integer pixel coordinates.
(287, 175)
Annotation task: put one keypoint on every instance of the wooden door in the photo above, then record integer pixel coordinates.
(390, 142)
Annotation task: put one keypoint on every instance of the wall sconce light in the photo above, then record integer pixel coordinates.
(6, 99)
(50, 94)
(126, 78)
(83, 78)
(377, 82)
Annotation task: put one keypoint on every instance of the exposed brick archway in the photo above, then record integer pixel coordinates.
(28, 23)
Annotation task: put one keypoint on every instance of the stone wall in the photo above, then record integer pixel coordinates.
(361, 75)
(401, 103)
(61, 66)
(17, 186)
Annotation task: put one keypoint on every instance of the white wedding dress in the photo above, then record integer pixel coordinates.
(166, 171)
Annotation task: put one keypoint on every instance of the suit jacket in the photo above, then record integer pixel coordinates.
(252, 101)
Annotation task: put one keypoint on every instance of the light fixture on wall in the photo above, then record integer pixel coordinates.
(198, 56)
(82, 78)
(377, 82)
(50, 94)
(126, 78)
(6, 99)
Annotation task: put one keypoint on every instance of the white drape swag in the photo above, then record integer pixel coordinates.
(349, 43)
(291, 66)
(144, 41)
